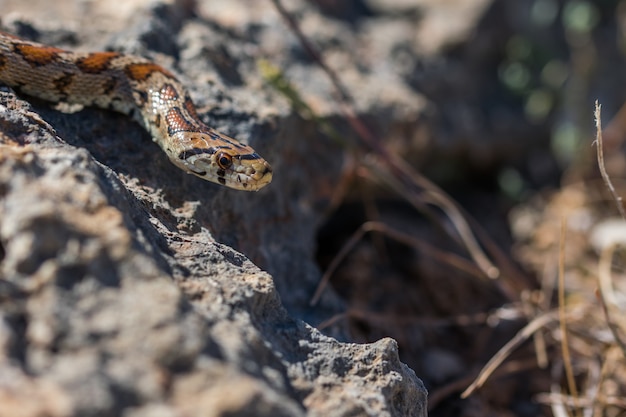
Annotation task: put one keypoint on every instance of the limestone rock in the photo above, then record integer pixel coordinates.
(120, 292)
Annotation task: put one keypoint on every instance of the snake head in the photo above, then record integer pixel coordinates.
(231, 164)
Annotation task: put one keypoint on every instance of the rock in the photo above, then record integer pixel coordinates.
(120, 290)
(93, 323)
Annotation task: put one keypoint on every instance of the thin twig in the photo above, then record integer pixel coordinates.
(528, 330)
(600, 151)
(567, 358)
(311, 50)
(439, 394)
(606, 293)
(402, 184)
(368, 227)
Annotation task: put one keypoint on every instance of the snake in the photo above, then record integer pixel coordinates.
(141, 89)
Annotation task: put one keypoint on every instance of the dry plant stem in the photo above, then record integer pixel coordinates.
(592, 388)
(295, 28)
(509, 286)
(587, 399)
(541, 350)
(404, 179)
(454, 214)
(560, 399)
(514, 279)
(548, 283)
(612, 360)
(530, 310)
(441, 393)
(405, 186)
(383, 321)
(559, 408)
(600, 151)
(607, 297)
(503, 353)
(331, 321)
(346, 179)
(372, 214)
(567, 358)
(450, 259)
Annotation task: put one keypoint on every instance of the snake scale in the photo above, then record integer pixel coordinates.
(141, 89)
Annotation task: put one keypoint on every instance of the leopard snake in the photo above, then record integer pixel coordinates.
(141, 89)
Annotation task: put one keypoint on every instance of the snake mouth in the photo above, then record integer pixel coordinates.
(255, 179)
(267, 171)
(265, 176)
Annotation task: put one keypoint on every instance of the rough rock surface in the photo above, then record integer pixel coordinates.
(120, 293)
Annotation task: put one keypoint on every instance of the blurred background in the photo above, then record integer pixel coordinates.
(506, 129)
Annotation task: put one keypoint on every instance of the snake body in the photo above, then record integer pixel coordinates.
(141, 89)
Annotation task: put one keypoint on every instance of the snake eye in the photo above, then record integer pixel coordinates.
(224, 160)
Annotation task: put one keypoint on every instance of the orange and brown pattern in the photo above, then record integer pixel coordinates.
(138, 87)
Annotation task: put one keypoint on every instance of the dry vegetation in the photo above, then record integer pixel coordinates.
(535, 329)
